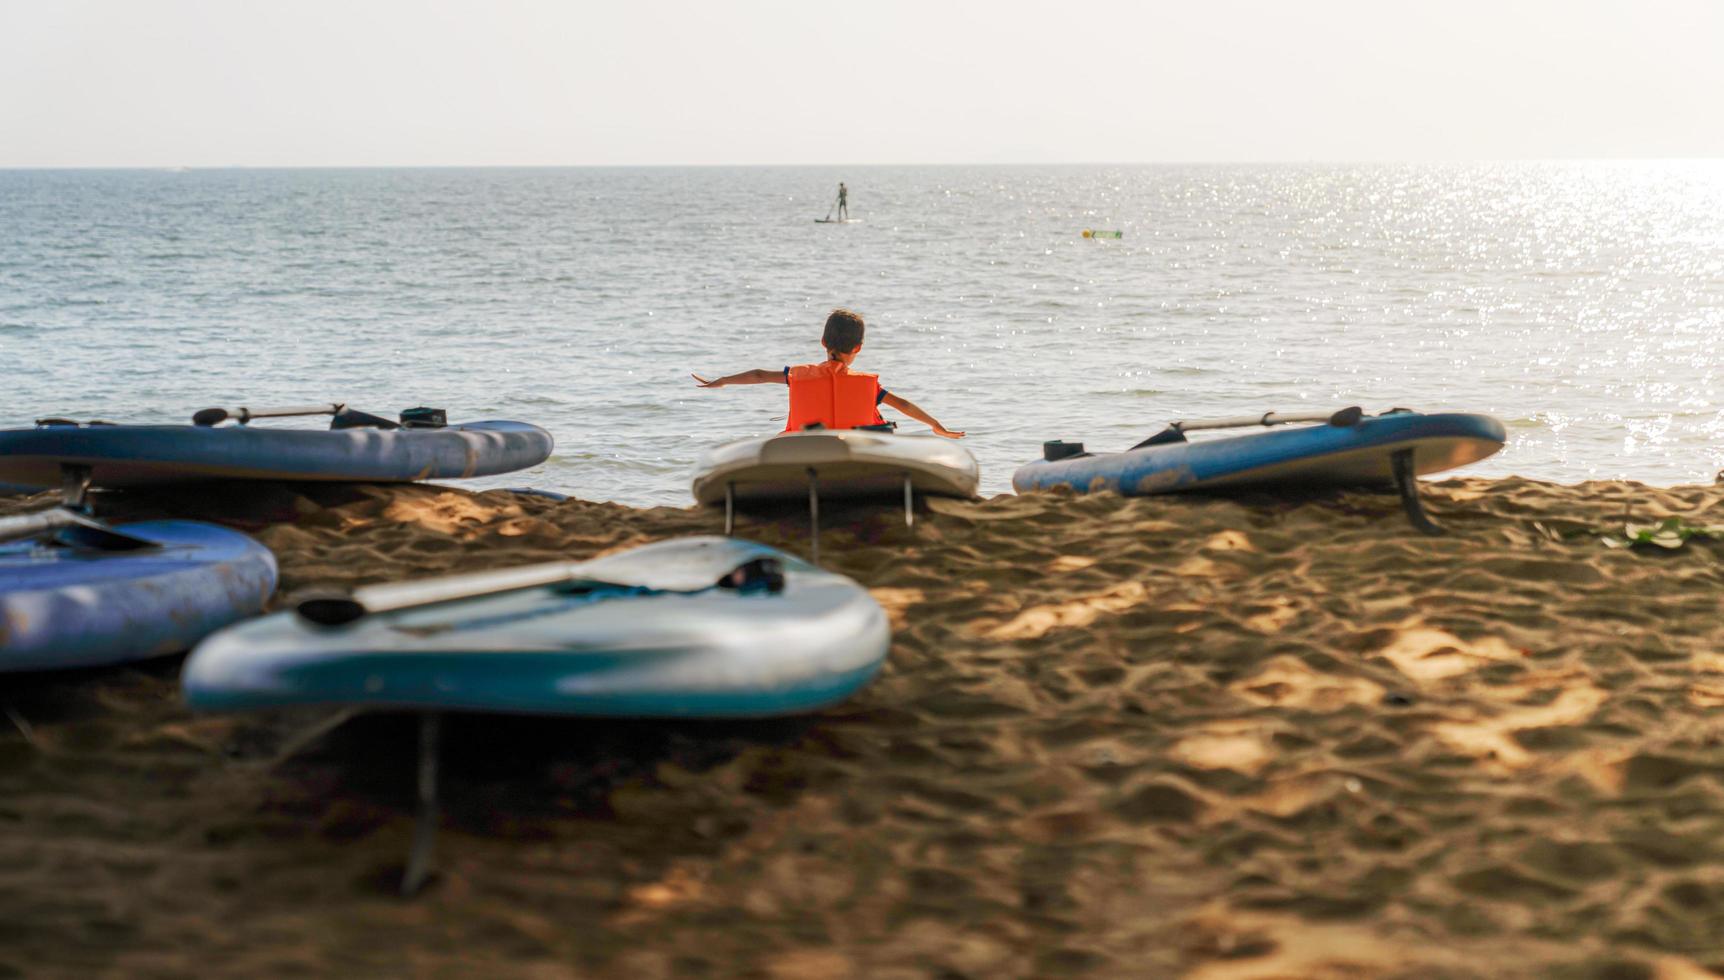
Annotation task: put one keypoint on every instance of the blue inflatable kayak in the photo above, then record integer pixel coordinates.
(703, 627)
(144, 455)
(82, 596)
(1342, 449)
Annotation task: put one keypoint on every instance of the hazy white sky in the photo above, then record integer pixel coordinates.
(352, 82)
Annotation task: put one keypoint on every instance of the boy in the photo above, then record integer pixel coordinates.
(829, 393)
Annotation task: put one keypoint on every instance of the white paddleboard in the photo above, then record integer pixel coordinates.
(846, 463)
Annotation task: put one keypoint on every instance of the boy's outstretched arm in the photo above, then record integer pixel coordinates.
(758, 376)
(909, 408)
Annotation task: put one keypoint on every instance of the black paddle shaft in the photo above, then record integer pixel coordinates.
(1175, 431)
(215, 416)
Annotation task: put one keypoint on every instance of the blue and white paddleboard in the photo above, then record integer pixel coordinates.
(643, 633)
(144, 455)
(66, 601)
(1352, 450)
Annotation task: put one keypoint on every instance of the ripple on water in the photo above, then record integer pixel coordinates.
(1573, 300)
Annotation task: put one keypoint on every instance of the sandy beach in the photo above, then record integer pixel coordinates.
(635, 254)
(1218, 738)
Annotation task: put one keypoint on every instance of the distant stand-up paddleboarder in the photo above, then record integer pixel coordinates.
(841, 205)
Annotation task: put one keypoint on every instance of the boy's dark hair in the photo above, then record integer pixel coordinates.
(843, 332)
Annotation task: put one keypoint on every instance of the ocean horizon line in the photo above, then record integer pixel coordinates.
(1385, 162)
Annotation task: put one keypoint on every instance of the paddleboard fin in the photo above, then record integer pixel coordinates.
(426, 818)
(1407, 482)
(813, 515)
(75, 487)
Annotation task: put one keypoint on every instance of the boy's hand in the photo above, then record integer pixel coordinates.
(941, 430)
(715, 383)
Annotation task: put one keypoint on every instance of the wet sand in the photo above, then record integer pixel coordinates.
(1142, 738)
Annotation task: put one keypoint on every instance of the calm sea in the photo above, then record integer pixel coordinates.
(1583, 304)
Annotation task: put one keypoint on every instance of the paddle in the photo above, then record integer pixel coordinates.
(762, 573)
(1175, 431)
(85, 531)
(1344, 417)
(242, 415)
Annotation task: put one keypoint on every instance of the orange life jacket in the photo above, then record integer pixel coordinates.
(830, 394)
